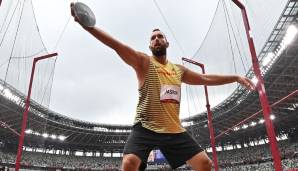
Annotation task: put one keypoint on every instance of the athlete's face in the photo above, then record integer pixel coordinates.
(158, 44)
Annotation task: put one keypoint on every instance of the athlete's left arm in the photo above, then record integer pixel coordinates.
(193, 78)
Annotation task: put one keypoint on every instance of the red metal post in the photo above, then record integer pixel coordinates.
(261, 90)
(25, 114)
(209, 113)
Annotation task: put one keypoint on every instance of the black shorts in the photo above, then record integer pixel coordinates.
(177, 148)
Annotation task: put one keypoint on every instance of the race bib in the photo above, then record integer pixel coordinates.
(170, 94)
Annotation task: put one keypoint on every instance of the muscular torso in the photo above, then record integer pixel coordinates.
(143, 69)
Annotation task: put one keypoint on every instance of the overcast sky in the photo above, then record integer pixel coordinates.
(91, 82)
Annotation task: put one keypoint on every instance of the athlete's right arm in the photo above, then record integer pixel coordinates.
(128, 55)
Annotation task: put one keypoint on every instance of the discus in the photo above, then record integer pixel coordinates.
(84, 14)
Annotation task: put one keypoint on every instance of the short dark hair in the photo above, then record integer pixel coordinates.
(156, 29)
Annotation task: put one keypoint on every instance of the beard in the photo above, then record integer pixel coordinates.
(159, 51)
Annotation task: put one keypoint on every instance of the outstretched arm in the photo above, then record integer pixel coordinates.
(129, 55)
(193, 78)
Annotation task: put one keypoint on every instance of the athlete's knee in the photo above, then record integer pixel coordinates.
(130, 162)
(200, 162)
(207, 164)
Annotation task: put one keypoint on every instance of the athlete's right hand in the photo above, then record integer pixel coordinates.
(73, 13)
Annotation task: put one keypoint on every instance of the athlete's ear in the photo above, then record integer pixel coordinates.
(168, 44)
(150, 47)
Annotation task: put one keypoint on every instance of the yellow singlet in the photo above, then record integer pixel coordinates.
(159, 98)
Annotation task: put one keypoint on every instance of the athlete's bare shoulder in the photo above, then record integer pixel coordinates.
(144, 62)
(183, 68)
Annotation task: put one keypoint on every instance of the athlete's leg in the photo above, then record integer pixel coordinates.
(137, 149)
(130, 162)
(200, 162)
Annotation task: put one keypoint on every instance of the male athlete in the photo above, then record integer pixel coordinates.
(157, 123)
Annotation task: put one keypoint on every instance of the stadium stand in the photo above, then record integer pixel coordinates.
(247, 158)
(52, 139)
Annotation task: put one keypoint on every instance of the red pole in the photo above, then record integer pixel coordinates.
(210, 126)
(261, 90)
(25, 114)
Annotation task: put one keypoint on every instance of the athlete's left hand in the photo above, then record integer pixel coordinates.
(246, 82)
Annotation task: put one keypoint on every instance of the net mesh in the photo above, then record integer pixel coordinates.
(20, 43)
(225, 49)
